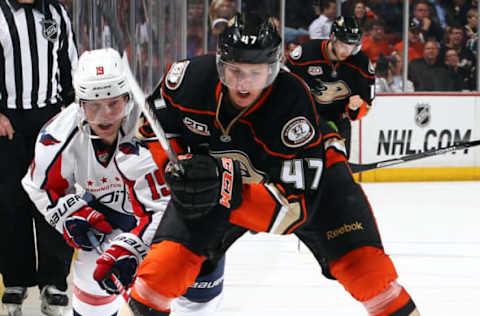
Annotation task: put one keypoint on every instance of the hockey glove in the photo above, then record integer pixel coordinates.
(75, 227)
(356, 108)
(206, 183)
(122, 258)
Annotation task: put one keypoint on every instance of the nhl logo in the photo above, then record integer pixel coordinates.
(49, 30)
(422, 114)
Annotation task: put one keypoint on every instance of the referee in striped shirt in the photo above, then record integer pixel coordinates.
(37, 58)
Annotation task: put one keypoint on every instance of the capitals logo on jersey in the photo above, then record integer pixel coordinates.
(131, 148)
(47, 139)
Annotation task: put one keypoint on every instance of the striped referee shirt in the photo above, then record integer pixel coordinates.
(37, 55)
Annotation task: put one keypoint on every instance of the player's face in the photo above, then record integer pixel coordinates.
(246, 82)
(343, 50)
(105, 116)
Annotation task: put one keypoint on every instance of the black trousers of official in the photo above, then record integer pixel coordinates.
(22, 226)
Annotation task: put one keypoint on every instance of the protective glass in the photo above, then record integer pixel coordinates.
(106, 111)
(245, 76)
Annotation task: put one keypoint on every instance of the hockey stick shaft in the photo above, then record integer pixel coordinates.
(96, 244)
(138, 95)
(357, 168)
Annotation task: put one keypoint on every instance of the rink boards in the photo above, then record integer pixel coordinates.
(401, 125)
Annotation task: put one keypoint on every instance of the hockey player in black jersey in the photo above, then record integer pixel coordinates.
(259, 159)
(339, 74)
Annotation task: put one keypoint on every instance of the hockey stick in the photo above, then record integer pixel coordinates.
(357, 168)
(96, 244)
(137, 92)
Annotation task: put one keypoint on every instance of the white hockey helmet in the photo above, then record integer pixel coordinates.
(100, 75)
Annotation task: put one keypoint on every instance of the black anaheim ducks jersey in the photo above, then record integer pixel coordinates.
(332, 83)
(277, 140)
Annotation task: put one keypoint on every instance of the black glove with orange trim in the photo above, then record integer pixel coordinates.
(207, 182)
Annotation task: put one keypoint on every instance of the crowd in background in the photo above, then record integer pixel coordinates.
(442, 35)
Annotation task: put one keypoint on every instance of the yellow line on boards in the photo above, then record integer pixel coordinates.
(420, 174)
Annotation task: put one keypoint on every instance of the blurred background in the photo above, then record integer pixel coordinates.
(443, 32)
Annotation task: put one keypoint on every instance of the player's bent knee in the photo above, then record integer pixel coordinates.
(364, 272)
(368, 274)
(165, 273)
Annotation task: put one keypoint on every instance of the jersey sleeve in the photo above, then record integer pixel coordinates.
(49, 181)
(365, 86)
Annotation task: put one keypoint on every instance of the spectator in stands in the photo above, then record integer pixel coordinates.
(298, 16)
(429, 28)
(363, 14)
(391, 11)
(467, 61)
(439, 12)
(472, 23)
(219, 13)
(375, 43)
(415, 42)
(428, 73)
(456, 73)
(388, 71)
(469, 4)
(320, 27)
(454, 11)
(471, 29)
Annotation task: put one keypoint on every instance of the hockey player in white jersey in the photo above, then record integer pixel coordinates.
(91, 173)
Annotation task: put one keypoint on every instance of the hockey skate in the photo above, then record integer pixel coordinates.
(53, 301)
(13, 298)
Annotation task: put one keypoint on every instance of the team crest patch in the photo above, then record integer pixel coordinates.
(296, 53)
(297, 132)
(175, 74)
(48, 140)
(49, 30)
(196, 127)
(315, 70)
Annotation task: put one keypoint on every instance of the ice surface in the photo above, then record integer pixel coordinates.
(431, 230)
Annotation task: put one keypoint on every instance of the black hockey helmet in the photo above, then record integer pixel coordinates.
(347, 30)
(251, 39)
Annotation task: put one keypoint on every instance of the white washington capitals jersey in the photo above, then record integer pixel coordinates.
(67, 173)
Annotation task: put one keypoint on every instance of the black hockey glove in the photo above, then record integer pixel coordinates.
(206, 183)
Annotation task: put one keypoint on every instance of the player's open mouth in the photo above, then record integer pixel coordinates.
(243, 94)
(105, 126)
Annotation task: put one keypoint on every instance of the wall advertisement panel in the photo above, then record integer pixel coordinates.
(409, 124)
